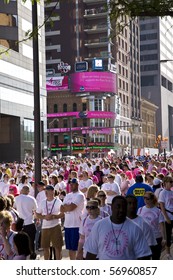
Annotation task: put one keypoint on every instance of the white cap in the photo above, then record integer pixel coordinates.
(157, 181)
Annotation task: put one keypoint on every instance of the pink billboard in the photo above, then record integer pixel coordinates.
(84, 130)
(93, 82)
(89, 115)
(57, 83)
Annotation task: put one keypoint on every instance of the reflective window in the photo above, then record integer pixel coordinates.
(74, 107)
(55, 108)
(74, 124)
(9, 25)
(64, 107)
(28, 130)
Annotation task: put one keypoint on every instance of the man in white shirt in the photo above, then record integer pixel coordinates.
(144, 226)
(117, 237)
(41, 195)
(26, 206)
(72, 207)
(50, 214)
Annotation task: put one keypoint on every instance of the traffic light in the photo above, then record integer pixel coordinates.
(158, 140)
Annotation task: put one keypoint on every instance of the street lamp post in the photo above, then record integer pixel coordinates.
(71, 137)
(131, 141)
(37, 121)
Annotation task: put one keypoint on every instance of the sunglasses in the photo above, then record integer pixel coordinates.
(101, 195)
(91, 207)
(170, 182)
(110, 178)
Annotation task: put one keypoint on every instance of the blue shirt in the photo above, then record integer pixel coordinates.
(138, 190)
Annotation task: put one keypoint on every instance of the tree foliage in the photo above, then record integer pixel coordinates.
(133, 8)
(31, 33)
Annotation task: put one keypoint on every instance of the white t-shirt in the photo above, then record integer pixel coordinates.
(147, 230)
(111, 187)
(61, 186)
(85, 184)
(106, 171)
(154, 217)
(118, 179)
(86, 226)
(50, 207)
(106, 208)
(25, 205)
(4, 188)
(3, 253)
(131, 243)
(21, 185)
(157, 192)
(40, 197)
(167, 198)
(73, 218)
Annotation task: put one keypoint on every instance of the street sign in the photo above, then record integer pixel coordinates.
(64, 67)
(97, 64)
(112, 68)
(50, 72)
(81, 66)
(164, 144)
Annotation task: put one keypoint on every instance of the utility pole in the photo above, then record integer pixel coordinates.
(37, 121)
(71, 136)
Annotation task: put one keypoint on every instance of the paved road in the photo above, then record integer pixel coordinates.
(65, 254)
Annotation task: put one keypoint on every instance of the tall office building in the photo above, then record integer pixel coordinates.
(16, 81)
(129, 93)
(156, 42)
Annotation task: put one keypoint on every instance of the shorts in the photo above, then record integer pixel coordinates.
(71, 238)
(52, 236)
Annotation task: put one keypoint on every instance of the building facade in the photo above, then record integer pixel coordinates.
(82, 33)
(82, 30)
(16, 81)
(148, 123)
(156, 71)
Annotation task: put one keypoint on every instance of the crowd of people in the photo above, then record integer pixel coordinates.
(101, 208)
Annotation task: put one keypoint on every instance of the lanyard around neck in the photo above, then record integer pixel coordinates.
(48, 213)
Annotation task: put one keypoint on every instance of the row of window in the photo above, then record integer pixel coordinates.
(65, 107)
(123, 71)
(66, 123)
(66, 139)
(122, 43)
(167, 84)
(123, 85)
(149, 47)
(148, 26)
(98, 104)
(149, 57)
(123, 58)
(151, 67)
(150, 36)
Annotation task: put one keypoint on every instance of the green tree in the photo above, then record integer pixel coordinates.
(124, 11)
(31, 33)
